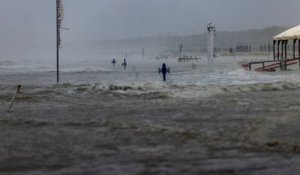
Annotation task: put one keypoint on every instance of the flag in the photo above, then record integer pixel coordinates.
(60, 17)
(60, 9)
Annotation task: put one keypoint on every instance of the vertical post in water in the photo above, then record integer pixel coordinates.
(57, 40)
(14, 98)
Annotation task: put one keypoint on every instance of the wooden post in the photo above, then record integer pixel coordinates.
(274, 49)
(285, 49)
(14, 98)
(280, 65)
(278, 49)
(282, 44)
(294, 49)
(299, 48)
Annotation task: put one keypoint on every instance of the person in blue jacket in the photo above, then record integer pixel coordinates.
(124, 64)
(114, 62)
(164, 70)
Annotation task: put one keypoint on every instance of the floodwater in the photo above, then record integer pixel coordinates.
(206, 119)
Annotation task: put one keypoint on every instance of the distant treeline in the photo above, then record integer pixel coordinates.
(237, 41)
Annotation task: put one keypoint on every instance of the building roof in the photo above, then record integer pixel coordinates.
(290, 34)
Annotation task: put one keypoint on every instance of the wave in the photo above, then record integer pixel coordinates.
(150, 90)
(86, 70)
(10, 66)
(30, 67)
(158, 89)
(194, 91)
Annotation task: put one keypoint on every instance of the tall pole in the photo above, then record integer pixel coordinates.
(57, 40)
(210, 41)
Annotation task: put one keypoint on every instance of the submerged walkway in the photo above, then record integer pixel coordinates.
(88, 131)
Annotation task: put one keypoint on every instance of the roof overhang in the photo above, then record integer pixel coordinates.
(290, 34)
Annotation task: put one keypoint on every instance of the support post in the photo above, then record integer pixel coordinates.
(280, 65)
(298, 48)
(285, 49)
(282, 44)
(278, 49)
(274, 50)
(294, 48)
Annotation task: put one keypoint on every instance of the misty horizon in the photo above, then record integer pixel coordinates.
(29, 26)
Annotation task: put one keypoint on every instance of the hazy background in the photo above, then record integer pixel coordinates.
(28, 26)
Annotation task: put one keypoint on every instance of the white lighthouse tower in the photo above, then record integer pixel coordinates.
(210, 42)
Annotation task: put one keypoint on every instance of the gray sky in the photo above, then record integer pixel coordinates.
(32, 22)
(105, 19)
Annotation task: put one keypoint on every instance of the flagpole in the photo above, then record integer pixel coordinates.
(57, 40)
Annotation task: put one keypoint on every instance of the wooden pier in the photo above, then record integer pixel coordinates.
(280, 54)
(273, 65)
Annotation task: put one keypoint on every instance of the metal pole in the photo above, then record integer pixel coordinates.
(57, 41)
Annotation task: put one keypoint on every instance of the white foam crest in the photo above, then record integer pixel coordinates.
(171, 90)
(194, 91)
(139, 88)
(30, 67)
(85, 70)
(124, 88)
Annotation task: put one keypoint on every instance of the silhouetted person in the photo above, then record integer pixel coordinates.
(164, 70)
(114, 62)
(124, 64)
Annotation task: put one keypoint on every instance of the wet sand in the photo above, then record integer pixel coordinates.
(55, 130)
